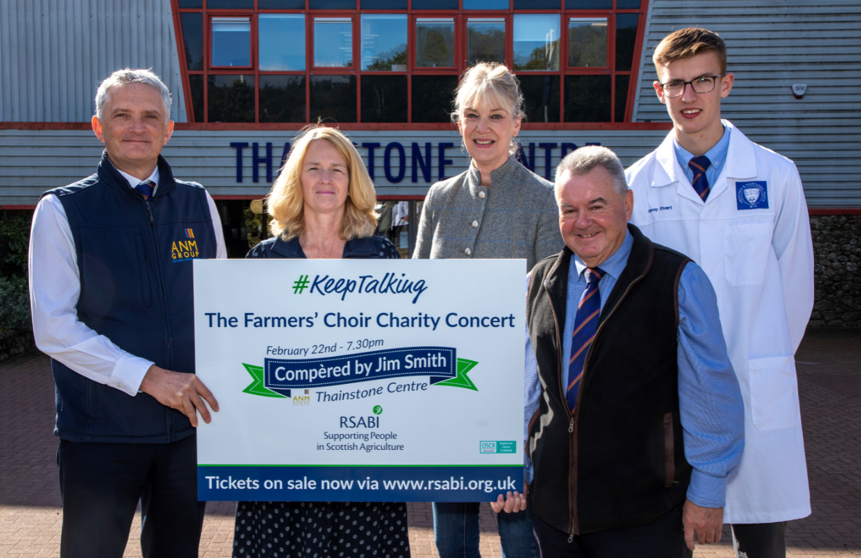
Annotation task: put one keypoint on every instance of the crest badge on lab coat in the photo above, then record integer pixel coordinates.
(752, 195)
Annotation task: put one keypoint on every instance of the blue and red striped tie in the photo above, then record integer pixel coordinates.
(701, 184)
(145, 189)
(585, 327)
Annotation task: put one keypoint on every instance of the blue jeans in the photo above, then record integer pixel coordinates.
(456, 531)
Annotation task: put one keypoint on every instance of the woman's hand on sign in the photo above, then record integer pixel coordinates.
(512, 503)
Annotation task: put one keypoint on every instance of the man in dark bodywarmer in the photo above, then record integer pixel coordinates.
(634, 416)
(111, 295)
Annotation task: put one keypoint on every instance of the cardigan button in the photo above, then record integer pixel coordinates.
(475, 224)
(467, 252)
(481, 195)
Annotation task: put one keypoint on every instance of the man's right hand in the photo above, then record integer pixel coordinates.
(181, 391)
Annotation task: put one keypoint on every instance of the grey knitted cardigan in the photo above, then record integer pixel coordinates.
(516, 217)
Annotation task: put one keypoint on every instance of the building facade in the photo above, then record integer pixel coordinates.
(246, 75)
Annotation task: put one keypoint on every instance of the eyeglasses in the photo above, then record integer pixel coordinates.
(702, 84)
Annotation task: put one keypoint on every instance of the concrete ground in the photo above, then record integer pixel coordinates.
(829, 377)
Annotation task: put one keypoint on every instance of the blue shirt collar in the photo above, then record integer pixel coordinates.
(716, 155)
(615, 264)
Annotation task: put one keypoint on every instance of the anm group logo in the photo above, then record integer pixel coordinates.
(182, 250)
(304, 399)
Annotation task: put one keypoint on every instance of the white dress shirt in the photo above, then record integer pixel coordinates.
(55, 287)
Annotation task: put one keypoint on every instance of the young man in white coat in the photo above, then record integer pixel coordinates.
(738, 210)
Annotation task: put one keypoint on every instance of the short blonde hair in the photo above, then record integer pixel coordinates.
(286, 203)
(489, 82)
(687, 43)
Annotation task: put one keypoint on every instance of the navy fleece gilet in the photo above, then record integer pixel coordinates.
(135, 263)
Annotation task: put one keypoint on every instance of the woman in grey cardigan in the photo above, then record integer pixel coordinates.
(496, 209)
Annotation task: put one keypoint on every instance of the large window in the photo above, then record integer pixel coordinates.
(392, 62)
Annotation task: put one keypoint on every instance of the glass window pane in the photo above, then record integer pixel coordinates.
(432, 97)
(333, 42)
(281, 4)
(190, 3)
(227, 4)
(626, 37)
(587, 98)
(621, 96)
(192, 38)
(435, 4)
(627, 4)
(587, 42)
(231, 98)
(541, 97)
(231, 41)
(332, 4)
(384, 4)
(485, 4)
(195, 82)
(588, 4)
(384, 98)
(434, 42)
(537, 4)
(384, 42)
(536, 42)
(485, 40)
(282, 98)
(333, 98)
(281, 40)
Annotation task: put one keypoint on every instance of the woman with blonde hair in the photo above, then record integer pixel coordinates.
(496, 209)
(322, 206)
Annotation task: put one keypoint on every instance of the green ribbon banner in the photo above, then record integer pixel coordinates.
(461, 380)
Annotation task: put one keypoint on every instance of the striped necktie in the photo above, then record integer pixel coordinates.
(701, 184)
(145, 189)
(585, 327)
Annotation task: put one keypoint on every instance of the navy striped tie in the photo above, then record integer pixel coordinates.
(701, 184)
(145, 189)
(585, 327)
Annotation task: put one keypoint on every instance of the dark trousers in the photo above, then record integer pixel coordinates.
(101, 484)
(663, 538)
(759, 540)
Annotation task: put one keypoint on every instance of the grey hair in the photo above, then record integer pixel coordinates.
(125, 76)
(583, 160)
(489, 81)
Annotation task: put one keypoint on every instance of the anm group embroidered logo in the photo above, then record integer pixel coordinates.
(182, 250)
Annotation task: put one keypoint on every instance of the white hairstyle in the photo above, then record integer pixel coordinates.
(127, 75)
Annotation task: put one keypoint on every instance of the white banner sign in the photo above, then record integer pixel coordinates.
(361, 380)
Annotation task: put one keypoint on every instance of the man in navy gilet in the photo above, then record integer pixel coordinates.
(111, 294)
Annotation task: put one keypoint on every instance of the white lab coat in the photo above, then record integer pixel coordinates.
(760, 262)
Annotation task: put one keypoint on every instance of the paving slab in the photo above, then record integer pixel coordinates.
(829, 377)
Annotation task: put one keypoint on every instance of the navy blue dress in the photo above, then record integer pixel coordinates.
(322, 529)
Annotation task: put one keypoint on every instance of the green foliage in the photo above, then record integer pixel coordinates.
(15, 310)
(14, 242)
(542, 58)
(486, 45)
(587, 47)
(14, 292)
(395, 56)
(282, 99)
(255, 226)
(231, 103)
(435, 46)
